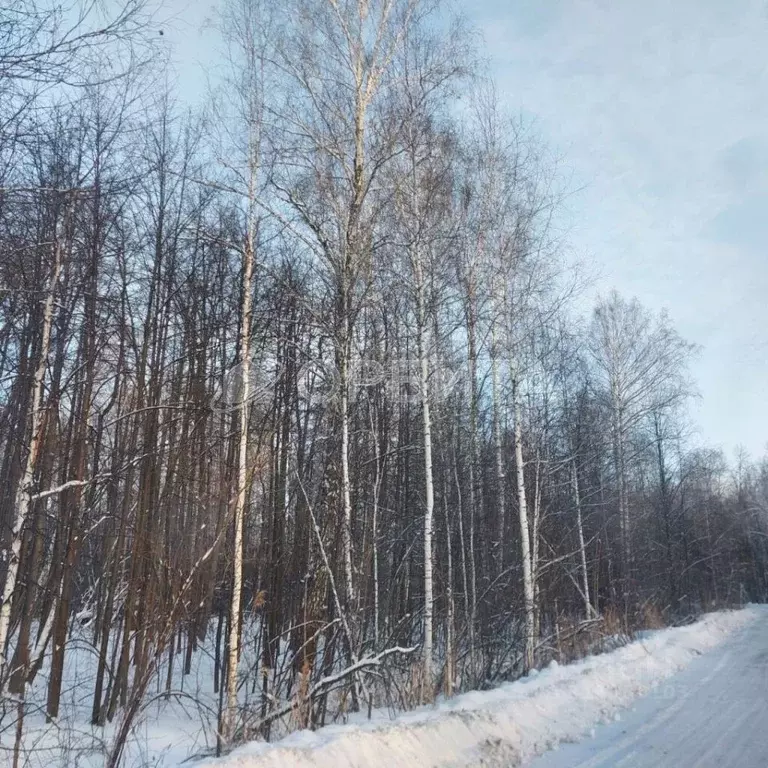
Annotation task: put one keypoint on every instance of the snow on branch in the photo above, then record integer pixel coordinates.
(329, 680)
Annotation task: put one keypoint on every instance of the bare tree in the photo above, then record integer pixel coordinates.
(46, 43)
(26, 485)
(246, 29)
(641, 362)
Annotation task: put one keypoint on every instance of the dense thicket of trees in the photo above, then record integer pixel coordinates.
(303, 374)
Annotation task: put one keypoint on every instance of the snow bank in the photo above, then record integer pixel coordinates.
(509, 724)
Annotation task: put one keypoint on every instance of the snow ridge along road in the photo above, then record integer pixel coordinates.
(713, 714)
(517, 721)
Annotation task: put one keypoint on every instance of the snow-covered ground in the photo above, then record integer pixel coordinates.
(167, 729)
(501, 727)
(517, 721)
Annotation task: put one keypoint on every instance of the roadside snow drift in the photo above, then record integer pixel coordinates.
(507, 725)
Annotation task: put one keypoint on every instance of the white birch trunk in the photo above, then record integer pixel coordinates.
(500, 475)
(346, 531)
(230, 715)
(463, 550)
(450, 662)
(525, 546)
(428, 522)
(429, 490)
(375, 535)
(535, 544)
(618, 429)
(588, 610)
(24, 491)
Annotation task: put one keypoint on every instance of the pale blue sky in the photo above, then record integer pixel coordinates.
(659, 110)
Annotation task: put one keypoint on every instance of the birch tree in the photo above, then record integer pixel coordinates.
(247, 31)
(231, 425)
(641, 363)
(420, 206)
(26, 486)
(341, 88)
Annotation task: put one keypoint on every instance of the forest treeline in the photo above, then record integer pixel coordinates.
(304, 372)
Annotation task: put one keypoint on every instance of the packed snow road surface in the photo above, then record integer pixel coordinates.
(713, 714)
(715, 707)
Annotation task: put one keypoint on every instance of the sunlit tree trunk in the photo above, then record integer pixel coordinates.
(244, 393)
(588, 610)
(525, 545)
(25, 488)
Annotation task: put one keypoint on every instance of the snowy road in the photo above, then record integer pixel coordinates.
(713, 714)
